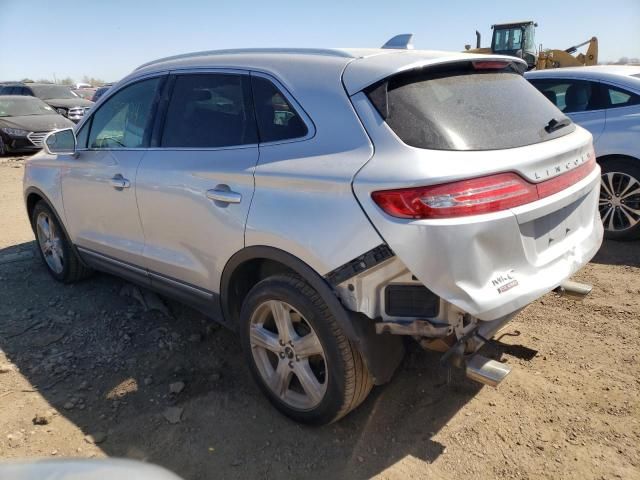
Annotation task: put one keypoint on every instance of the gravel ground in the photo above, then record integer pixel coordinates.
(102, 369)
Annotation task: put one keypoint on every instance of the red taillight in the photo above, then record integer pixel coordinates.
(567, 179)
(489, 65)
(474, 196)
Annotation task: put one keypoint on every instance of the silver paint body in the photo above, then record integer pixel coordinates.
(616, 131)
(311, 196)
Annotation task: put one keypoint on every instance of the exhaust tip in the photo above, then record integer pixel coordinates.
(573, 289)
(486, 371)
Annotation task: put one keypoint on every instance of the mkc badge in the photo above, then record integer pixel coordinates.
(504, 282)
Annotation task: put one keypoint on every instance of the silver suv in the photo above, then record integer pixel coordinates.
(326, 204)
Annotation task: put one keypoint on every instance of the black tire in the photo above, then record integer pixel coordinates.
(72, 269)
(616, 173)
(347, 382)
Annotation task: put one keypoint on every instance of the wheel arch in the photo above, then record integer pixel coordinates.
(32, 196)
(382, 353)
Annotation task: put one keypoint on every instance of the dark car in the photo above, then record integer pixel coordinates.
(60, 97)
(24, 122)
(101, 91)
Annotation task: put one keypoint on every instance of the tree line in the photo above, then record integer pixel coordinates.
(94, 82)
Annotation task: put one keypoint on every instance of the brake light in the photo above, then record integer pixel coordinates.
(475, 196)
(567, 179)
(489, 65)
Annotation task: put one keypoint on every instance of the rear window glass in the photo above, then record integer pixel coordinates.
(462, 108)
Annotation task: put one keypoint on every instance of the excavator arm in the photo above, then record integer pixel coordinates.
(565, 58)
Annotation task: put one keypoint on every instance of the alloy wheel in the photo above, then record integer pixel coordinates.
(50, 243)
(619, 201)
(288, 354)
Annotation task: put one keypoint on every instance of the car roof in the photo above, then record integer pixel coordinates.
(20, 98)
(627, 74)
(359, 67)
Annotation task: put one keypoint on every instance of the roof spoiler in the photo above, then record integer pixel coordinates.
(404, 41)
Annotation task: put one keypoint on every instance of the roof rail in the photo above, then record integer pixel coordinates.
(309, 51)
(404, 41)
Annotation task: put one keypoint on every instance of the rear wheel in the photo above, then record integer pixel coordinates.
(55, 249)
(620, 198)
(298, 354)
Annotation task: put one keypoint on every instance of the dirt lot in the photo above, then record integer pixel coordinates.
(97, 369)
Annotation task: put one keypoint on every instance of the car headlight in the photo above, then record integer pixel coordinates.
(61, 111)
(15, 132)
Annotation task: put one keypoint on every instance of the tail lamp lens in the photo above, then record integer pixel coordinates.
(475, 196)
(489, 65)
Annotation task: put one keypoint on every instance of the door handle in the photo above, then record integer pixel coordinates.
(222, 193)
(119, 182)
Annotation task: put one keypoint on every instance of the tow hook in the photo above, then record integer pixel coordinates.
(573, 289)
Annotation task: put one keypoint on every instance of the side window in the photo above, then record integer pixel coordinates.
(570, 96)
(616, 97)
(82, 135)
(277, 119)
(209, 111)
(123, 120)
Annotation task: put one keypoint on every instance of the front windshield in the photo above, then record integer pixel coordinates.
(507, 39)
(46, 92)
(16, 106)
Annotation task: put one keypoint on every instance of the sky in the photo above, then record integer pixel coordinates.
(107, 39)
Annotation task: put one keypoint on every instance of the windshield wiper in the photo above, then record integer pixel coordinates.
(554, 125)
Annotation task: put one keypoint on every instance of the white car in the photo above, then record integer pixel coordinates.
(605, 99)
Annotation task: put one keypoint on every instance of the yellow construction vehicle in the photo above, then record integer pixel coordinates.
(565, 58)
(517, 39)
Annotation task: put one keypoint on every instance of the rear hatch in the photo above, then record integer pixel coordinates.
(484, 189)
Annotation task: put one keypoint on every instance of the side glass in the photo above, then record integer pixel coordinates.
(570, 96)
(209, 111)
(617, 97)
(82, 135)
(123, 120)
(277, 119)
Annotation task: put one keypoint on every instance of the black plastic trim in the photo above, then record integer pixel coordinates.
(202, 300)
(358, 265)
(402, 300)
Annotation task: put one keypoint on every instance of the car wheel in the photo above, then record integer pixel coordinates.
(620, 198)
(298, 354)
(55, 249)
(3, 149)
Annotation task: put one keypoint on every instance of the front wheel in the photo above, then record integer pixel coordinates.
(298, 354)
(55, 249)
(620, 198)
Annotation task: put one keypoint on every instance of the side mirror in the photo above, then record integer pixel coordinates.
(60, 142)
